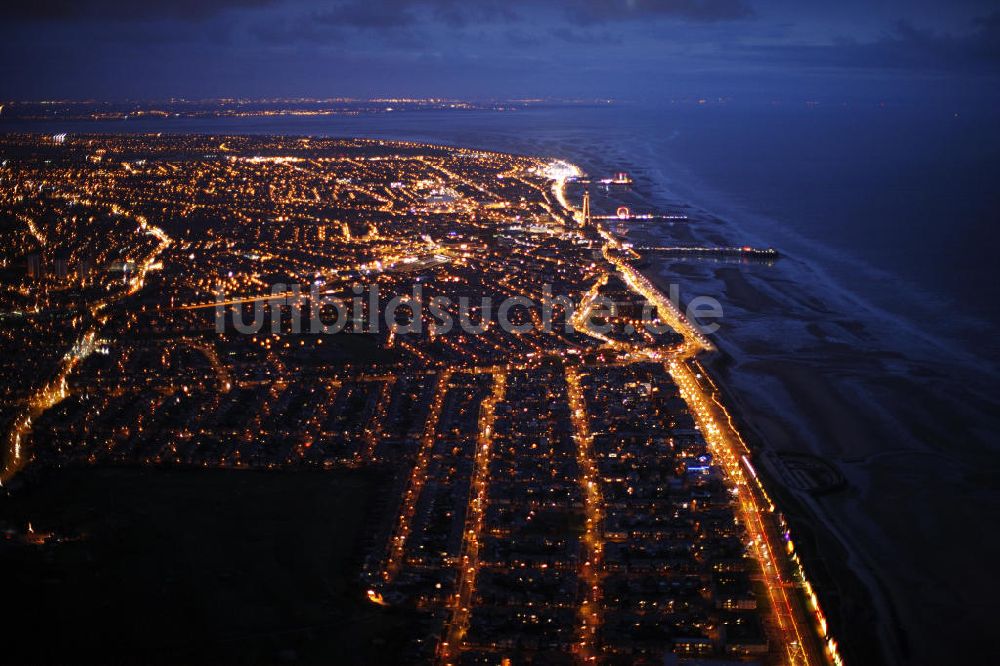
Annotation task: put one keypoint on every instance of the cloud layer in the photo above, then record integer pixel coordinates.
(496, 48)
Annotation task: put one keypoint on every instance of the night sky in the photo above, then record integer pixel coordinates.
(490, 49)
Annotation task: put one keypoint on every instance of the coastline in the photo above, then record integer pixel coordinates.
(810, 368)
(868, 291)
(805, 377)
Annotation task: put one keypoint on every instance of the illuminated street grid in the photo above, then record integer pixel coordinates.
(560, 497)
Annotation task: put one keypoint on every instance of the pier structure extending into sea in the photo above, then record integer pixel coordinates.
(746, 251)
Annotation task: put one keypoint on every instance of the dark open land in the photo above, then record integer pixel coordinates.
(194, 566)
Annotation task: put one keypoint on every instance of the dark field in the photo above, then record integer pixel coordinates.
(192, 566)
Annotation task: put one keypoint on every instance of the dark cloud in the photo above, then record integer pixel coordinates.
(903, 47)
(394, 13)
(520, 38)
(382, 13)
(488, 47)
(458, 13)
(585, 37)
(365, 14)
(61, 10)
(386, 19)
(602, 11)
(462, 12)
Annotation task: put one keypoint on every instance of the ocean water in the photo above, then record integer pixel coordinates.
(896, 204)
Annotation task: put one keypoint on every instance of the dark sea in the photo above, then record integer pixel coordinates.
(898, 205)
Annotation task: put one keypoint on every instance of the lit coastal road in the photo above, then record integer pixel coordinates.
(755, 509)
(694, 340)
(560, 172)
(801, 630)
(798, 631)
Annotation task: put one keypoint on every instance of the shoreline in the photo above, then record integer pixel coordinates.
(595, 140)
(799, 393)
(833, 387)
(839, 585)
(808, 372)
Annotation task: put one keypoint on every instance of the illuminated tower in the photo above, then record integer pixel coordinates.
(586, 207)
